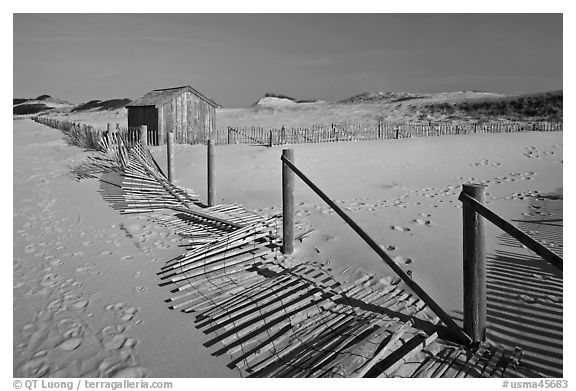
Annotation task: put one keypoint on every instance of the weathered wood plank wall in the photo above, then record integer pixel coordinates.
(190, 118)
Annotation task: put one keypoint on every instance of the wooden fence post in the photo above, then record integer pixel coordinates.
(211, 174)
(332, 132)
(288, 203)
(397, 130)
(170, 156)
(118, 140)
(474, 266)
(144, 135)
(283, 134)
(160, 138)
(270, 142)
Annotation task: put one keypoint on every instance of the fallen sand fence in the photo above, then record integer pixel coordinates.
(88, 137)
(273, 316)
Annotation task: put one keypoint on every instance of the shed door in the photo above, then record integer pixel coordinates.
(146, 115)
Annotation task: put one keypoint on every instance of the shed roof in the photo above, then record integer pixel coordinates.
(158, 97)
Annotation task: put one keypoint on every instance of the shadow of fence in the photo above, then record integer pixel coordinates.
(524, 309)
(525, 293)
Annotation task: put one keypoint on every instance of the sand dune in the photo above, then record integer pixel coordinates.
(275, 111)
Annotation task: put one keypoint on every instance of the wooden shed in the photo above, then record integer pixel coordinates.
(183, 111)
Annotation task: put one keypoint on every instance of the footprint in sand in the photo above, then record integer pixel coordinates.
(123, 313)
(422, 222)
(555, 299)
(126, 317)
(130, 343)
(140, 289)
(115, 307)
(161, 245)
(328, 238)
(542, 277)
(128, 314)
(390, 280)
(131, 310)
(36, 367)
(81, 304)
(402, 260)
(74, 332)
(70, 344)
(400, 228)
(55, 306)
(56, 262)
(113, 342)
(129, 372)
(83, 269)
(527, 299)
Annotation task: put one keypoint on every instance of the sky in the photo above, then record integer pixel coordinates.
(236, 58)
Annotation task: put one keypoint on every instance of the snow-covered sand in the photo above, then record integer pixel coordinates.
(86, 300)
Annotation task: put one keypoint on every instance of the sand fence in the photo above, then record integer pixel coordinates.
(320, 133)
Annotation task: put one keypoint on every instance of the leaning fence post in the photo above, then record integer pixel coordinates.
(144, 135)
(474, 266)
(170, 156)
(287, 203)
(211, 171)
